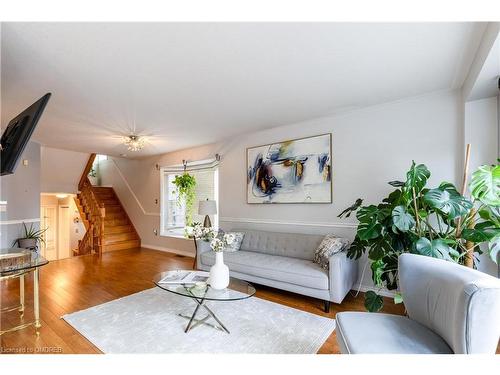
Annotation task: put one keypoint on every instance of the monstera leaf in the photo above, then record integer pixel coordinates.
(491, 214)
(349, 210)
(402, 219)
(416, 178)
(485, 185)
(377, 272)
(357, 248)
(494, 249)
(373, 302)
(437, 248)
(448, 200)
(369, 227)
(379, 248)
(482, 232)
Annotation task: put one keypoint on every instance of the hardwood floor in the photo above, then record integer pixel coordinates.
(77, 283)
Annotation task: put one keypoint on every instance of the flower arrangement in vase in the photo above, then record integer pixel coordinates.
(219, 272)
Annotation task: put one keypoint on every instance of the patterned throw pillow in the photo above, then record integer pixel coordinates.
(329, 246)
(238, 239)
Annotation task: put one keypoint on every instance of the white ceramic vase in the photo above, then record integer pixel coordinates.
(219, 272)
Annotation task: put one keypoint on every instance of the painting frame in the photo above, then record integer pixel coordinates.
(249, 186)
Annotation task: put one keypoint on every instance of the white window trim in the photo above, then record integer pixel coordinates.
(200, 164)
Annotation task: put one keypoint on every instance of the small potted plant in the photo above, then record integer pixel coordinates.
(94, 180)
(30, 238)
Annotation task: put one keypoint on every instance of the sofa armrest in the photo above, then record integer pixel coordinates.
(343, 274)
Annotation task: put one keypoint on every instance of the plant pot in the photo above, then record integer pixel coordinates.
(219, 273)
(27, 243)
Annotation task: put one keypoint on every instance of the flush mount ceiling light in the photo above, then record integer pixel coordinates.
(134, 142)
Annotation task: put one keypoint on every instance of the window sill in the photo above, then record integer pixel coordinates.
(179, 233)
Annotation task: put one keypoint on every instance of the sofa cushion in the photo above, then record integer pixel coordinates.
(290, 270)
(363, 333)
(292, 245)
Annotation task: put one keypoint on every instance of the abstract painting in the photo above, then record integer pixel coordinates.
(296, 171)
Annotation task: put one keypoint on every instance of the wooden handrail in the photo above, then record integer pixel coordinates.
(86, 171)
(94, 236)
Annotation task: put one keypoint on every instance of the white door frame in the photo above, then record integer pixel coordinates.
(60, 232)
(56, 229)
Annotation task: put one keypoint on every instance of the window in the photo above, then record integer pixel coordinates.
(173, 219)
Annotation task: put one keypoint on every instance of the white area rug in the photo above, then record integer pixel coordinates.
(148, 322)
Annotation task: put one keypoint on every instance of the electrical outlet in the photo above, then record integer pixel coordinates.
(155, 231)
(156, 201)
(25, 162)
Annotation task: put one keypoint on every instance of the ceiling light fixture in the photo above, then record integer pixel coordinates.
(134, 142)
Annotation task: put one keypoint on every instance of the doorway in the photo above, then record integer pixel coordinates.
(48, 216)
(60, 216)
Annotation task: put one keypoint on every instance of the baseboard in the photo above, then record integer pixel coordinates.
(365, 288)
(168, 250)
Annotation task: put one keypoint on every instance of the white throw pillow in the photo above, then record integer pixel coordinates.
(330, 245)
(238, 239)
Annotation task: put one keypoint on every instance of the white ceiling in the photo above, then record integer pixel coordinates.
(187, 84)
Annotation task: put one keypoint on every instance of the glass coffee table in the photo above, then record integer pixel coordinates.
(236, 291)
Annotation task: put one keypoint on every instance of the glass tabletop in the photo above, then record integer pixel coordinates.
(237, 289)
(16, 259)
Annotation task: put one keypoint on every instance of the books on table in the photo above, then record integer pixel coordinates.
(184, 277)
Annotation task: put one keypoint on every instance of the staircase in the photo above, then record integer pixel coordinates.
(108, 226)
(119, 233)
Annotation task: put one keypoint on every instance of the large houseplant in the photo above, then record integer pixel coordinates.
(438, 222)
(186, 189)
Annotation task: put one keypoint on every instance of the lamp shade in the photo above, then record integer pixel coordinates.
(207, 207)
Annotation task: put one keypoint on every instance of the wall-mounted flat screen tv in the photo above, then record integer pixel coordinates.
(18, 133)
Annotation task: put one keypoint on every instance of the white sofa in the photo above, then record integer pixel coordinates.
(284, 261)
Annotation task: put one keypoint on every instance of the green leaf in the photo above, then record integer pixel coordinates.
(402, 219)
(379, 248)
(482, 232)
(398, 298)
(485, 185)
(437, 248)
(357, 248)
(490, 213)
(349, 210)
(369, 228)
(396, 183)
(377, 271)
(447, 200)
(416, 178)
(393, 198)
(494, 249)
(373, 302)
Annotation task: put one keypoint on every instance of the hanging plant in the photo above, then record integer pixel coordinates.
(186, 185)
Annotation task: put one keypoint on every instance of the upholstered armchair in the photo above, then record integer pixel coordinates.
(451, 309)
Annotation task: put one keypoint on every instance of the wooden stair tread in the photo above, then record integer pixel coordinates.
(122, 245)
(119, 232)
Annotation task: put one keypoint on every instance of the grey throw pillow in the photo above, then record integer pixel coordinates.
(238, 239)
(330, 245)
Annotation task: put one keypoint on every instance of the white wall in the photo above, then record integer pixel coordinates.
(61, 170)
(370, 147)
(21, 190)
(481, 131)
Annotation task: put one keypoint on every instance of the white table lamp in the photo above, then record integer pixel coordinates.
(207, 207)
